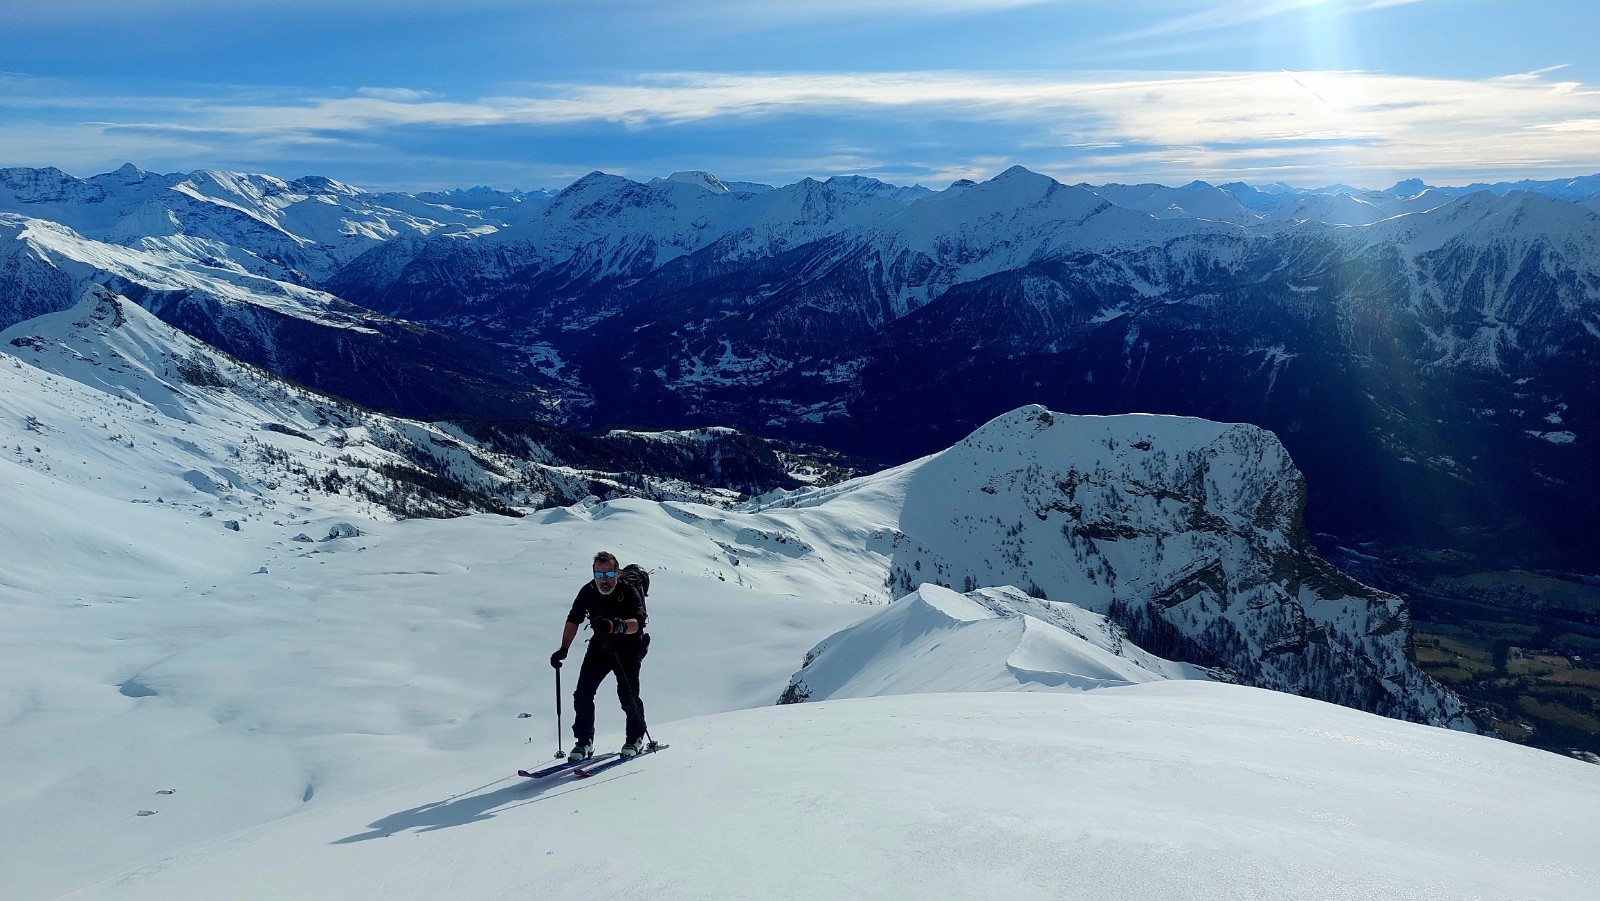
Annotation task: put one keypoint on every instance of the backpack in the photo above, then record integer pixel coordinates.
(638, 578)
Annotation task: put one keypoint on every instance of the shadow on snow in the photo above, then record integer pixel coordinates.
(472, 806)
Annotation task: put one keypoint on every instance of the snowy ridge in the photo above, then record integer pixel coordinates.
(1197, 200)
(310, 226)
(135, 408)
(126, 404)
(606, 226)
(1015, 219)
(991, 639)
(39, 249)
(308, 335)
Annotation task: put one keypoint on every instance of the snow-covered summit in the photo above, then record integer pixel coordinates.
(1187, 532)
(697, 178)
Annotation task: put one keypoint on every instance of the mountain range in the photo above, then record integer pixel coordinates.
(1428, 355)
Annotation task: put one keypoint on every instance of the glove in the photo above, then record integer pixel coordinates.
(557, 657)
(610, 626)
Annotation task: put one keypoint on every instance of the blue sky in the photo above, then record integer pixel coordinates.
(409, 94)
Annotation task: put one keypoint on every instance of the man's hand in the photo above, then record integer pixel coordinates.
(557, 657)
(611, 626)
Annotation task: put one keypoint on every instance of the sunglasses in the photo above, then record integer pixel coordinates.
(608, 574)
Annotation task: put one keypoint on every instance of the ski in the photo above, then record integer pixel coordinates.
(564, 766)
(596, 766)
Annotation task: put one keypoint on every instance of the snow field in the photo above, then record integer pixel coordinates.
(1168, 789)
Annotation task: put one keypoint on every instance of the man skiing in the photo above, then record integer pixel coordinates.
(617, 614)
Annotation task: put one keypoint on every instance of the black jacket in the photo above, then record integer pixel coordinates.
(623, 603)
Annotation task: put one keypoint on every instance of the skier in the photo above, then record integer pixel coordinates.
(617, 614)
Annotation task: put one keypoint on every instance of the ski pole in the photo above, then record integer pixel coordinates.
(558, 712)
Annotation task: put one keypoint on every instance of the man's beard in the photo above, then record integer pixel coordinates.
(604, 590)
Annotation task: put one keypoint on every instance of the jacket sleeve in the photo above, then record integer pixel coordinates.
(634, 604)
(579, 609)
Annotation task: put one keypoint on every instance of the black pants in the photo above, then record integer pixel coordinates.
(605, 656)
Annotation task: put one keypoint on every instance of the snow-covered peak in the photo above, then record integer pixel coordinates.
(1338, 209)
(1016, 194)
(1197, 200)
(607, 225)
(1013, 206)
(513, 204)
(1518, 219)
(596, 181)
(260, 195)
(322, 185)
(697, 178)
(22, 187)
(860, 184)
(1023, 184)
(1409, 187)
(1170, 525)
(1032, 458)
(127, 174)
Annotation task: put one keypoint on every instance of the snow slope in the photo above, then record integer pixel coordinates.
(55, 264)
(1178, 790)
(107, 382)
(148, 649)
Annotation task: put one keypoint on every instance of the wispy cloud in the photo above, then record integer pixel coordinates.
(1217, 16)
(1530, 77)
(1165, 107)
(398, 95)
(1181, 125)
